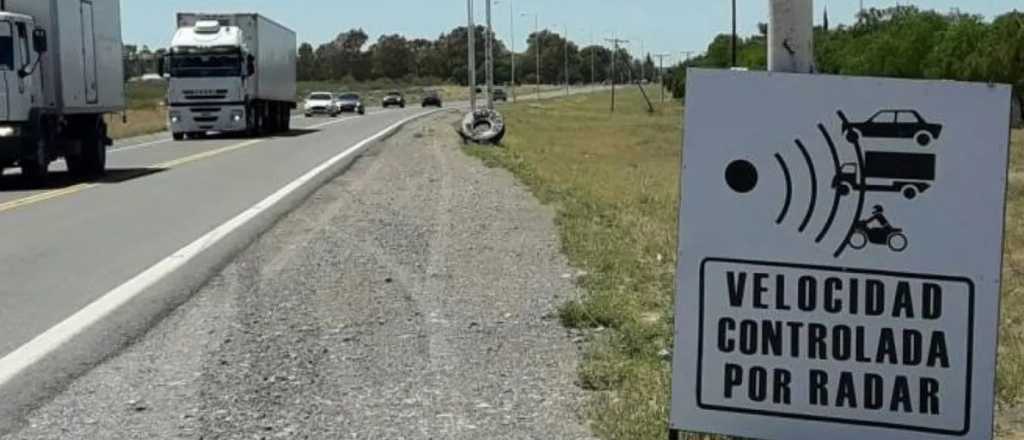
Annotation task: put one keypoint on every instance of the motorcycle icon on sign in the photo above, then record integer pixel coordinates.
(878, 231)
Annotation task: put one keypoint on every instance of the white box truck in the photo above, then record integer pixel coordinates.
(230, 73)
(60, 71)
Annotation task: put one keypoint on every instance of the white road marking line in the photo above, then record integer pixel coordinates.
(22, 359)
(137, 146)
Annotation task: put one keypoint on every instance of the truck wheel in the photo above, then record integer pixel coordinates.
(35, 163)
(36, 166)
(910, 192)
(845, 189)
(178, 136)
(92, 161)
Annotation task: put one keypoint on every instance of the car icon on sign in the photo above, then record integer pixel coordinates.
(892, 124)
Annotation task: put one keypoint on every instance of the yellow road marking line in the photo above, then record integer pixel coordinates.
(41, 197)
(14, 204)
(205, 155)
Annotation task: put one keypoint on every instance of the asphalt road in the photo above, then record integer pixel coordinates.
(69, 243)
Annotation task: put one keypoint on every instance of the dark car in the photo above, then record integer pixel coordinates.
(393, 99)
(500, 95)
(350, 102)
(432, 99)
(892, 124)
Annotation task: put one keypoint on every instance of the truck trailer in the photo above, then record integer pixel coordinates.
(230, 73)
(61, 69)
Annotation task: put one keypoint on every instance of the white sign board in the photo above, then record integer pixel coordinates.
(839, 257)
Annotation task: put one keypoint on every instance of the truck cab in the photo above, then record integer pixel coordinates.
(229, 73)
(208, 67)
(21, 48)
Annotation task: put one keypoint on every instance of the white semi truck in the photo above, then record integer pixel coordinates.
(60, 71)
(230, 73)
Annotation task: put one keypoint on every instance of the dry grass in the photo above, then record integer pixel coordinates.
(614, 180)
(140, 121)
(1011, 339)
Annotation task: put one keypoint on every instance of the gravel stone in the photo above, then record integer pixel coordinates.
(410, 298)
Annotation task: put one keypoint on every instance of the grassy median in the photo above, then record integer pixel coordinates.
(614, 181)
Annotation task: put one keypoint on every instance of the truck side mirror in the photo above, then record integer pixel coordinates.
(161, 66)
(250, 64)
(39, 40)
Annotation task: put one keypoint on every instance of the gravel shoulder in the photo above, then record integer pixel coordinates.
(413, 297)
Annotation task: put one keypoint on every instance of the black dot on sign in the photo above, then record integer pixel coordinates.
(741, 176)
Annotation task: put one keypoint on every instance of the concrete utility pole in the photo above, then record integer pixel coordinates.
(566, 60)
(615, 43)
(734, 37)
(791, 36)
(489, 54)
(536, 43)
(593, 74)
(661, 72)
(643, 62)
(471, 28)
(512, 33)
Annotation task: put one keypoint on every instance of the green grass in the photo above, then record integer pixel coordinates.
(614, 180)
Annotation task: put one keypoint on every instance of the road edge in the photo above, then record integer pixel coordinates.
(44, 366)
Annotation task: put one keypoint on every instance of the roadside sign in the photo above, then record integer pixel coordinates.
(840, 250)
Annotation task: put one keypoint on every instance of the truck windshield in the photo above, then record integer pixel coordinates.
(206, 65)
(6, 46)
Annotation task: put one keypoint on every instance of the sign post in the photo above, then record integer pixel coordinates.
(840, 250)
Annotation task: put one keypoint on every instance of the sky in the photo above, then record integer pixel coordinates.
(651, 26)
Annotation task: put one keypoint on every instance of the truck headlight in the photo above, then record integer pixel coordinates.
(236, 115)
(8, 131)
(175, 117)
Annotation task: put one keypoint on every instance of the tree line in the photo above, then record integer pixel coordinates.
(351, 56)
(900, 42)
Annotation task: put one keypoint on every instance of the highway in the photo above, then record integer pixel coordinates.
(69, 243)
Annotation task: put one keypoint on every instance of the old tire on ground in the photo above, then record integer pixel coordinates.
(483, 126)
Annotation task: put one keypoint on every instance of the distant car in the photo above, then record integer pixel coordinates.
(892, 124)
(500, 95)
(350, 102)
(320, 103)
(393, 99)
(432, 99)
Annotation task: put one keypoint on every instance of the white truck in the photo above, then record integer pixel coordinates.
(60, 71)
(230, 73)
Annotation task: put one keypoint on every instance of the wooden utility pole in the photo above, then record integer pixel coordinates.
(615, 51)
(661, 72)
